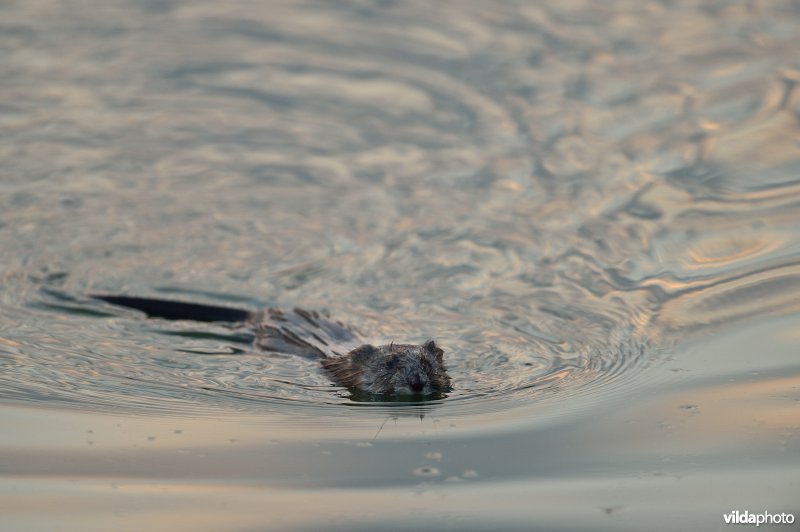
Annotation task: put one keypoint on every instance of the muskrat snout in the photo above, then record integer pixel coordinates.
(416, 383)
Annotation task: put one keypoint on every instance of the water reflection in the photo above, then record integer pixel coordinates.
(592, 207)
(569, 198)
(674, 433)
(552, 201)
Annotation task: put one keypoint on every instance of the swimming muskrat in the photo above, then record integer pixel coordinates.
(387, 370)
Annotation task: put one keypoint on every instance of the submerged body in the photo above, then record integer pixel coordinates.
(394, 370)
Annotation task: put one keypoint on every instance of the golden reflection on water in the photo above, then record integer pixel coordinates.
(562, 192)
(721, 251)
(754, 297)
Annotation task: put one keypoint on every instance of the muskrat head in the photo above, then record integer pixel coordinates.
(394, 369)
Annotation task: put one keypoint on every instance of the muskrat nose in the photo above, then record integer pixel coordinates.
(416, 383)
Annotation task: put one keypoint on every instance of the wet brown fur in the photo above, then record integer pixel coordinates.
(386, 370)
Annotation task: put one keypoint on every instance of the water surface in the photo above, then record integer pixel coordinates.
(593, 208)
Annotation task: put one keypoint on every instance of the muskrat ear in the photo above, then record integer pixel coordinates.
(433, 349)
(363, 353)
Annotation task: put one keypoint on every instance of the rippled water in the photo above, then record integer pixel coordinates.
(593, 207)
